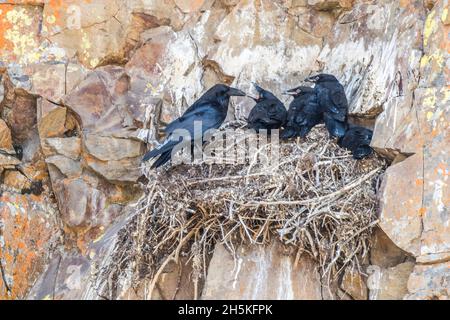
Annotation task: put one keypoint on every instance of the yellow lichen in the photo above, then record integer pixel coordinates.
(430, 27)
(444, 15)
(430, 98)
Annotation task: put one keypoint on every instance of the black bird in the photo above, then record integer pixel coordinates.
(210, 109)
(357, 140)
(333, 103)
(303, 114)
(268, 113)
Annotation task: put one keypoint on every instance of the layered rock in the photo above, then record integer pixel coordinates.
(81, 95)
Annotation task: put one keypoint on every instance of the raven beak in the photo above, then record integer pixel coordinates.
(292, 92)
(232, 92)
(258, 88)
(253, 98)
(312, 79)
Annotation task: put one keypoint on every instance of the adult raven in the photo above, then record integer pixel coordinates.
(357, 140)
(268, 113)
(332, 101)
(303, 114)
(211, 110)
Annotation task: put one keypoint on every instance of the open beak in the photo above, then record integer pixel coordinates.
(292, 92)
(256, 99)
(236, 92)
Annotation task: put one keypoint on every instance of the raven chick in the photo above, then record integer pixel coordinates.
(333, 103)
(303, 114)
(357, 140)
(210, 109)
(268, 113)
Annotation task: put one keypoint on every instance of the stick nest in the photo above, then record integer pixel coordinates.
(320, 201)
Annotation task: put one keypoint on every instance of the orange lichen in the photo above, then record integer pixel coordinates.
(441, 169)
(5, 25)
(25, 237)
(422, 212)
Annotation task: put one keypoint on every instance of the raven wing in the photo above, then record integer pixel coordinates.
(340, 103)
(267, 114)
(335, 127)
(208, 114)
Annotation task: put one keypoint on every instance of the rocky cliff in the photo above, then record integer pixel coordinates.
(85, 84)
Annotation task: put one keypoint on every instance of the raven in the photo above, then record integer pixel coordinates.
(268, 113)
(210, 109)
(357, 140)
(333, 103)
(303, 114)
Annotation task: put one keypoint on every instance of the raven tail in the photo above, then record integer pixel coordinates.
(163, 159)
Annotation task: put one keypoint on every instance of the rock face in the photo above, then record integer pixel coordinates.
(262, 273)
(84, 84)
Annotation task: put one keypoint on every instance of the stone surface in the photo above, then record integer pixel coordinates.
(392, 283)
(5, 138)
(53, 124)
(401, 212)
(16, 180)
(84, 83)
(385, 253)
(354, 285)
(67, 166)
(109, 148)
(49, 80)
(68, 147)
(75, 276)
(28, 232)
(19, 32)
(18, 110)
(430, 282)
(261, 273)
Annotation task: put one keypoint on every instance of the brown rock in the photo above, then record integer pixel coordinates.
(125, 170)
(384, 252)
(79, 203)
(430, 282)
(317, 23)
(354, 285)
(53, 124)
(68, 147)
(27, 232)
(330, 4)
(109, 148)
(392, 283)
(16, 180)
(5, 137)
(74, 75)
(100, 98)
(188, 6)
(67, 166)
(229, 3)
(401, 212)
(49, 81)
(435, 246)
(84, 29)
(7, 161)
(18, 110)
(260, 273)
